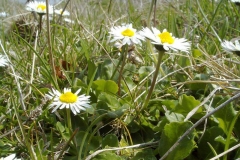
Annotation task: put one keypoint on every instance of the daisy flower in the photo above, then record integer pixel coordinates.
(67, 99)
(38, 7)
(231, 46)
(60, 12)
(165, 40)
(126, 34)
(3, 61)
(3, 14)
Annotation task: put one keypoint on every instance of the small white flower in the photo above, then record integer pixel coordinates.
(39, 7)
(10, 157)
(68, 20)
(67, 99)
(3, 61)
(60, 12)
(3, 14)
(126, 34)
(166, 40)
(231, 46)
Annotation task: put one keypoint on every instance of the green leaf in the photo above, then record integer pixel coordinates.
(170, 104)
(60, 127)
(196, 53)
(102, 85)
(161, 124)
(184, 61)
(171, 134)
(225, 115)
(186, 104)
(91, 70)
(111, 101)
(107, 156)
(79, 83)
(102, 107)
(107, 69)
(203, 151)
(237, 154)
(129, 69)
(222, 140)
(174, 117)
(144, 71)
(199, 86)
(146, 154)
(110, 140)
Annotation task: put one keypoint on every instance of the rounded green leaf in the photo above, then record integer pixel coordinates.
(105, 86)
(170, 135)
(186, 104)
(110, 140)
(146, 154)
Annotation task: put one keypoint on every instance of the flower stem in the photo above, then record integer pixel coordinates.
(69, 123)
(40, 23)
(124, 56)
(160, 55)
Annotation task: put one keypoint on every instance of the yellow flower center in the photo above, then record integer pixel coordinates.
(41, 7)
(166, 37)
(68, 97)
(128, 33)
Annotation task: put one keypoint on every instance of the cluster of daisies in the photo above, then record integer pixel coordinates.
(126, 34)
(41, 9)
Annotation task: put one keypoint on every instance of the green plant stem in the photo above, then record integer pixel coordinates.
(152, 10)
(160, 55)
(236, 96)
(98, 119)
(67, 144)
(209, 23)
(69, 123)
(230, 134)
(150, 13)
(51, 59)
(154, 13)
(212, 148)
(124, 53)
(40, 23)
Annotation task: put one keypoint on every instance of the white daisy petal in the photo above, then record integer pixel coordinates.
(230, 46)
(68, 100)
(3, 61)
(38, 7)
(55, 108)
(60, 12)
(73, 109)
(166, 40)
(126, 34)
